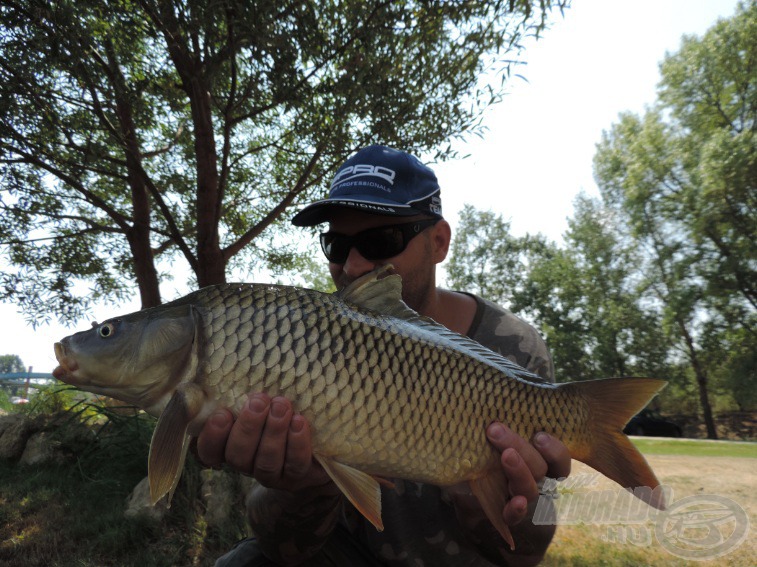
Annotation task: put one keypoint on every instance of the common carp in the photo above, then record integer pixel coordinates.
(388, 393)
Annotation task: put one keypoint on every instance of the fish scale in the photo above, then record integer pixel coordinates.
(330, 408)
(387, 393)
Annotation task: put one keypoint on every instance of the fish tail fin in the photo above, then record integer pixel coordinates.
(612, 403)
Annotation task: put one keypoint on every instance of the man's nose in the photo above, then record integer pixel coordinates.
(356, 265)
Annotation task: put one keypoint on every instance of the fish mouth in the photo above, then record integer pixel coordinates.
(66, 364)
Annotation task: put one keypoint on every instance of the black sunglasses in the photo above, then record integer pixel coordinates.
(373, 244)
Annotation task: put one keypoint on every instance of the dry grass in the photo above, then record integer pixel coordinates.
(629, 544)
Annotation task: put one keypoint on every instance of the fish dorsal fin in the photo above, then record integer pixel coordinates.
(440, 334)
(379, 291)
(360, 488)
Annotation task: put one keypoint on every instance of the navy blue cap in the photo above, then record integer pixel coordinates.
(381, 181)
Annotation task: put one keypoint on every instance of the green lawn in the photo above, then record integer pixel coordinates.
(695, 447)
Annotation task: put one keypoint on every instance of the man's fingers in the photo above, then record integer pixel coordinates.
(520, 480)
(502, 437)
(211, 442)
(271, 452)
(299, 450)
(515, 510)
(245, 436)
(555, 453)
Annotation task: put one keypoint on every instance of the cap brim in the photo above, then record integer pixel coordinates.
(320, 211)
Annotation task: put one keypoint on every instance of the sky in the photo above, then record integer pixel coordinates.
(599, 59)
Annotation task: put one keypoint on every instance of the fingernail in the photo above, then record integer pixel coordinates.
(278, 409)
(297, 424)
(219, 419)
(541, 439)
(256, 404)
(511, 458)
(496, 431)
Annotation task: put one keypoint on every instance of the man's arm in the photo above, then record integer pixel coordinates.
(524, 465)
(294, 507)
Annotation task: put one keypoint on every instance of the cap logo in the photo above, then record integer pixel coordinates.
(363, 170)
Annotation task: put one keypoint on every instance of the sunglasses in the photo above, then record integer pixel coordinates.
(373, 244)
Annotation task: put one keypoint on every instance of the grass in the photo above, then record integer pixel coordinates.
(71, 513)
(695, 447)
(637, 543)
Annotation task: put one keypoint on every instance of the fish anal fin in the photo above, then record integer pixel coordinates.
(491, 491)
(170, 441)
(361, 489)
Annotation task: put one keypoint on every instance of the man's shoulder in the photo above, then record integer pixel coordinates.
(502, 331)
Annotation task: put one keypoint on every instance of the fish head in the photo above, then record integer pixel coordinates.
(137, 358)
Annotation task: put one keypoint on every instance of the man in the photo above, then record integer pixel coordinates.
(384, 207)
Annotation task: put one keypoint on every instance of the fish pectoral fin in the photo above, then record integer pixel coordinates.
(491, 491)
(170, 441)
(360, 488)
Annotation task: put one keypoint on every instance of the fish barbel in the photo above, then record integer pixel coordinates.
(388, 393)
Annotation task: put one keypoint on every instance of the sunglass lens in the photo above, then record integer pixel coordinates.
(381, 244)
(335, 247)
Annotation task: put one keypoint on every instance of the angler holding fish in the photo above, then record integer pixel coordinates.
(375, 426)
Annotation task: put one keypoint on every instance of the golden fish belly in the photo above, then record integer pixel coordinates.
(379, 395)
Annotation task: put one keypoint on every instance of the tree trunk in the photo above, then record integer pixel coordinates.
(701, 376)
(211, 265)
(138, 235)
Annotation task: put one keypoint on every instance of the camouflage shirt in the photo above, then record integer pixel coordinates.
(421, 525)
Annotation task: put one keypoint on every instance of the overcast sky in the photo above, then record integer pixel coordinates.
(598, 60)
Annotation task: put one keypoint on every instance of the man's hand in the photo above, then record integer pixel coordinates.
(267, 441)
(525, 464)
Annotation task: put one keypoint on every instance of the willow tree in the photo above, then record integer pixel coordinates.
(138, 133)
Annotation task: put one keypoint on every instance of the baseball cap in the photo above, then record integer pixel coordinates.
(382, 181)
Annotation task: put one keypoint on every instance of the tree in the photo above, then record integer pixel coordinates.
(484, 257)
(10, 363)
(134, 134)
(584, 297)
(683, 179)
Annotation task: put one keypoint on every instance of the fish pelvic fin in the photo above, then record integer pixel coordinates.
(612, 403)
(492, 495)
(360, 488)
(170, 441)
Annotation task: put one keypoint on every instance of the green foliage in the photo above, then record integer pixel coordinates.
(5, 402)
(136, 135)
(584, 297)
(485, 258)
(10, 363)
(54, 399)
(658, 277)
(681, 178)
(71, 512)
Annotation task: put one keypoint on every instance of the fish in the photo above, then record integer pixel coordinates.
(388, 393)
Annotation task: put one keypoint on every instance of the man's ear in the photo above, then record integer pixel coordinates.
(440, 240)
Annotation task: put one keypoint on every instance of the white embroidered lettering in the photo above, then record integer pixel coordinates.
(364, 170)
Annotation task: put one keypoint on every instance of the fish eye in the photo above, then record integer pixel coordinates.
(106, 330)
